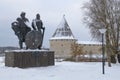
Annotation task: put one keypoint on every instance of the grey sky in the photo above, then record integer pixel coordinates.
(51, 12)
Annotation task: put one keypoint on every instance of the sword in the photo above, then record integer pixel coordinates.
(43, 35)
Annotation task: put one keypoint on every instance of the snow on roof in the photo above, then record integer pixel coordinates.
(63, 37)
(89, 42)
(63, 30)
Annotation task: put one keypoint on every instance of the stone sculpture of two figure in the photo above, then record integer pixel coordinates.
(33, 38)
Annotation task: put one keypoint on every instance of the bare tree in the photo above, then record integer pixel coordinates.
(77, 50)
(105, 14)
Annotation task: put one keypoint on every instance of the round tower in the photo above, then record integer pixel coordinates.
(62, 39)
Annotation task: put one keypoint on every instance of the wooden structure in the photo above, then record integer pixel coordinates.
(29, 58)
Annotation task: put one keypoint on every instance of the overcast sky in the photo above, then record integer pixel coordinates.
(51, 12)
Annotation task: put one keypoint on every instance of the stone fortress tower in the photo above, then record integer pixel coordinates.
(62, 39)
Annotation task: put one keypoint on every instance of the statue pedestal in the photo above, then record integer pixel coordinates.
(29, 58)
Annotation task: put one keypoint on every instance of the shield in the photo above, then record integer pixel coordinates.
(33, 39)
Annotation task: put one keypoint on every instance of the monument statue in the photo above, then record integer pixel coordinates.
(34, 38)
(21, 28)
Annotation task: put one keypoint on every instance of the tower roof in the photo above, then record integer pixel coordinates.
(63, 30)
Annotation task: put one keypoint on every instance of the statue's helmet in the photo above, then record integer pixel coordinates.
(18, 19)
(22, 14)
(38, 16)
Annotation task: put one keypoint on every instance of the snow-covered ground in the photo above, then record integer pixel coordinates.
(61, 71)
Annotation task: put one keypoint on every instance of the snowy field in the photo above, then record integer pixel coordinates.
(61, 71)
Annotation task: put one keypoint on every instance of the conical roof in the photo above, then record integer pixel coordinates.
(63, 30)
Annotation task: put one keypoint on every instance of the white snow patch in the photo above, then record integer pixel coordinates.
(62, 71)
(28, 50)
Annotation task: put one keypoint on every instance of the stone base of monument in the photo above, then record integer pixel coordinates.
(29, 58)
